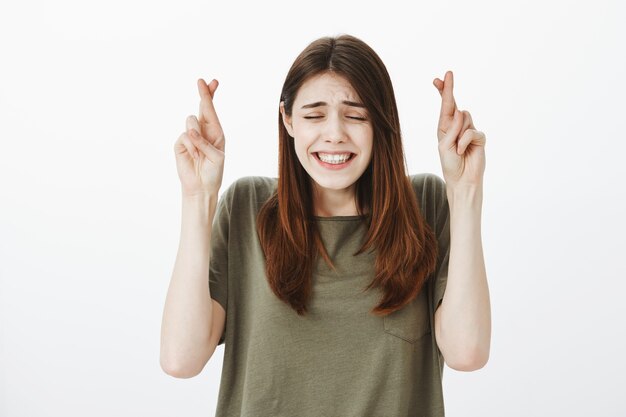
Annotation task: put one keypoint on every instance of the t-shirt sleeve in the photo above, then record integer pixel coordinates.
(218, 262)
(442, 232)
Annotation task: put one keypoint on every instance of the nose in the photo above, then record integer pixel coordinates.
(334, 131)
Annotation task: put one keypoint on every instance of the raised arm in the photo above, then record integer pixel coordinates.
(192, 322)
(463, 321)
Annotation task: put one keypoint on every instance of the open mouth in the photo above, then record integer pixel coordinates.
(316, 154)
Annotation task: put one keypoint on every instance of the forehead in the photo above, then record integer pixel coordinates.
(328, 87)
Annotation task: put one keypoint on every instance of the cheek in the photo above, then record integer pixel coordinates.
(367, 141)
(305, 132)
(362, 132)
(302, 148)
(370, 151)
(304, 138)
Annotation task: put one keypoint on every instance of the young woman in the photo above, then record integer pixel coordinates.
(326, 284)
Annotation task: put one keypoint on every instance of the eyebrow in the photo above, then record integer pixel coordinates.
(323, 103)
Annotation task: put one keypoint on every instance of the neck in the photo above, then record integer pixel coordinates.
(329, 203)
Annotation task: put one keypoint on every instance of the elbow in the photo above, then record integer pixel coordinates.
(177, 370)
(472, 361)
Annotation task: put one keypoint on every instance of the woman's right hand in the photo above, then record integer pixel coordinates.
(200, 149)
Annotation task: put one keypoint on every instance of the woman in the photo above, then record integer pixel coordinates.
(326, 284)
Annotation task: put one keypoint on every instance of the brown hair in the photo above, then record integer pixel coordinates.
(405, 244)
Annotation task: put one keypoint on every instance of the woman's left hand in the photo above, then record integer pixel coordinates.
(461, 146)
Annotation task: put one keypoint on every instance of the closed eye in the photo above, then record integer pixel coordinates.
(349, 117)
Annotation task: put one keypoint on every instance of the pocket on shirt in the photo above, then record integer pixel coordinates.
(411, 322)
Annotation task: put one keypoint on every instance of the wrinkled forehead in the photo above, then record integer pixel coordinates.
(328, 87)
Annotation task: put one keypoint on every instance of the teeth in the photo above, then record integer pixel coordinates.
(334, 159)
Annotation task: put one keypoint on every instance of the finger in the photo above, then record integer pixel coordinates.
(438, 85)
(184, 144)
(192, 123)
(207, 112)
(190, 148)
(468, 120)
(450, 138)
(209, 151)
(448, 105)
(213, 86)
(471, 136)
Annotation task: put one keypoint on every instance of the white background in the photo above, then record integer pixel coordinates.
(94, 95)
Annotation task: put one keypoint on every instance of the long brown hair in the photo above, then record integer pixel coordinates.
(406, 249)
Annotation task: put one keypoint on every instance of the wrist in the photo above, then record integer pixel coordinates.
(200, 196)
(465, 195)
(203, 201)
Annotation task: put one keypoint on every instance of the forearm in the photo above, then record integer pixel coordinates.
(465, 327)
(187, 315)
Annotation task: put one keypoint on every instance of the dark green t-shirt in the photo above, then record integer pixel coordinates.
(339, 359)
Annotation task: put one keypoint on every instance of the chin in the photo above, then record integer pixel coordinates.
(337, 184)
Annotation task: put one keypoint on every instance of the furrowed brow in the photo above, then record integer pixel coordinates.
(323, 103)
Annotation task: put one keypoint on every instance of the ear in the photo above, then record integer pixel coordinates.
(286, 119)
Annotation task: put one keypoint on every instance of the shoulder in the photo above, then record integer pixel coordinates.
(249, 191)
(251, 184)
(430, 190)
(256, 185)
(429, 187)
